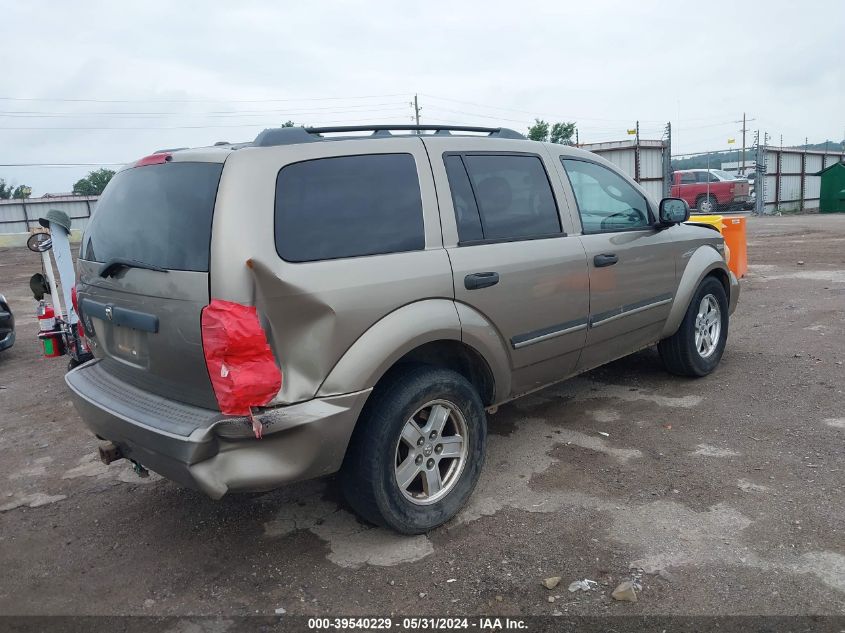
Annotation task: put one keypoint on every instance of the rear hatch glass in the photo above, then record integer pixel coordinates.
(156, 214)
(145, 323)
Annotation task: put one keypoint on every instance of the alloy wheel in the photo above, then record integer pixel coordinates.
(431, 452)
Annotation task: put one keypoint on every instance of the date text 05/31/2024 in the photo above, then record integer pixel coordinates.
(420, 623)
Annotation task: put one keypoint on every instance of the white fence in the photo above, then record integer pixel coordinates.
(18, 216)
(791, 180)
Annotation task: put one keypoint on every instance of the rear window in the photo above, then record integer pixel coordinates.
(156, 214)
(348, 206)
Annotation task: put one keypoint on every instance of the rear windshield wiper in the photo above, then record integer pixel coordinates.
(118, 263)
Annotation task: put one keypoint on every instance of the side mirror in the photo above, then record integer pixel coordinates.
(39, 242)
(673, 211)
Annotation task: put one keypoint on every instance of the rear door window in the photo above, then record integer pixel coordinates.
(688, 178)
(512, 195)
(156, 214)
(348, 206)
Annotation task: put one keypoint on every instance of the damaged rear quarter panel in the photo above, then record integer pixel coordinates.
(313, 312)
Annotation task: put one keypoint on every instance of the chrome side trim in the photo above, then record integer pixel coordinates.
(629, 310)
(537, 336)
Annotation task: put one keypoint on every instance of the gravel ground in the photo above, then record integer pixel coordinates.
(722, 495)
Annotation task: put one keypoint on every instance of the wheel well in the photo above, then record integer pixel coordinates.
(722, 276)
(458, 357)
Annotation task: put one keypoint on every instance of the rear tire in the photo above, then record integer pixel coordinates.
(401, 470)
(697, 347)
(707, 204)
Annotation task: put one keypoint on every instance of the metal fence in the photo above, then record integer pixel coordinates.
(791, 183)
(19, 216)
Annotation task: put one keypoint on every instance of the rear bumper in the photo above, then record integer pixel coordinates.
(734, 298)
(203, 449)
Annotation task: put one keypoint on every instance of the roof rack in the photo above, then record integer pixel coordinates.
(293, 135)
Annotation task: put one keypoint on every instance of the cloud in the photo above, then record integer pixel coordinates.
(604, 65)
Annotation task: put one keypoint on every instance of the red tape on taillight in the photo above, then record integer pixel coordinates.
(240, 362)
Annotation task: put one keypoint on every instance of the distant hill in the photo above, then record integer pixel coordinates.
(715, 159)
(831, 146)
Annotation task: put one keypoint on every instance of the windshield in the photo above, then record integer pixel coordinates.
(156, 214)
(723, 175)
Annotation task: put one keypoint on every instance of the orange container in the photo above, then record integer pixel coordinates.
(733, 230)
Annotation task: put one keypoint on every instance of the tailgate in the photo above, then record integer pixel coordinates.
(740, 189)
(145, 323)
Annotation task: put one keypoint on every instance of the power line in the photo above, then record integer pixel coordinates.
(67, 100)
(281, 114)
(569, 117)
(364, 107)
(533, 113)
(176, 127)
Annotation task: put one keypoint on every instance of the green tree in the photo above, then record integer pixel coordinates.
(562, 133)
(22, 192)
(5, 190)
(288, 124)
(539, 131)
(94, 183)
(556, 133)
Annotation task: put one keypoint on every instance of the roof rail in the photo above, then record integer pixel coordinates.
(292, 135)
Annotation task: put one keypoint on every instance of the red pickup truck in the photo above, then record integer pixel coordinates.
(710, 190)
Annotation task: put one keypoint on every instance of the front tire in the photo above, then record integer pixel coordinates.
(417, 450)
(697, 347)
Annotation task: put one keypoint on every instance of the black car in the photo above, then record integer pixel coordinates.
(7, 324)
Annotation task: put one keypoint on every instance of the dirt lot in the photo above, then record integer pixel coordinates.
(725, 494)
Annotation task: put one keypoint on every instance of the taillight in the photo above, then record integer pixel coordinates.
(153, 159)
(240, 362)
(80, 329)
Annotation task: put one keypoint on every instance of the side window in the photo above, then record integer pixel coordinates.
(688, 178)
(348, 206)
(513, 197)
(466, 210)
(606, 201)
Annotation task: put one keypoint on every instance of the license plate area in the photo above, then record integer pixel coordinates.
(128, 344)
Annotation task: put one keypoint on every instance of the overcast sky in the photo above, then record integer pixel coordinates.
(108, 82)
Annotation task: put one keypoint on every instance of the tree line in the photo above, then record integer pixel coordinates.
(91, 185)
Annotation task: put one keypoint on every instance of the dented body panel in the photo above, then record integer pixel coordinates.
(314, 312)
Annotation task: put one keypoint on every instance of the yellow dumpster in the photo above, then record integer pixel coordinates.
(710, 220)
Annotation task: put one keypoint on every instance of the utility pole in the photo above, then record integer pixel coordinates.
(637, 155)
(577, 141)
(416, 109)
(667, 161)
(744, 130)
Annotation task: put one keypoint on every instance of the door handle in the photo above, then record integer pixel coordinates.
(480, 280)
(605, 259)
